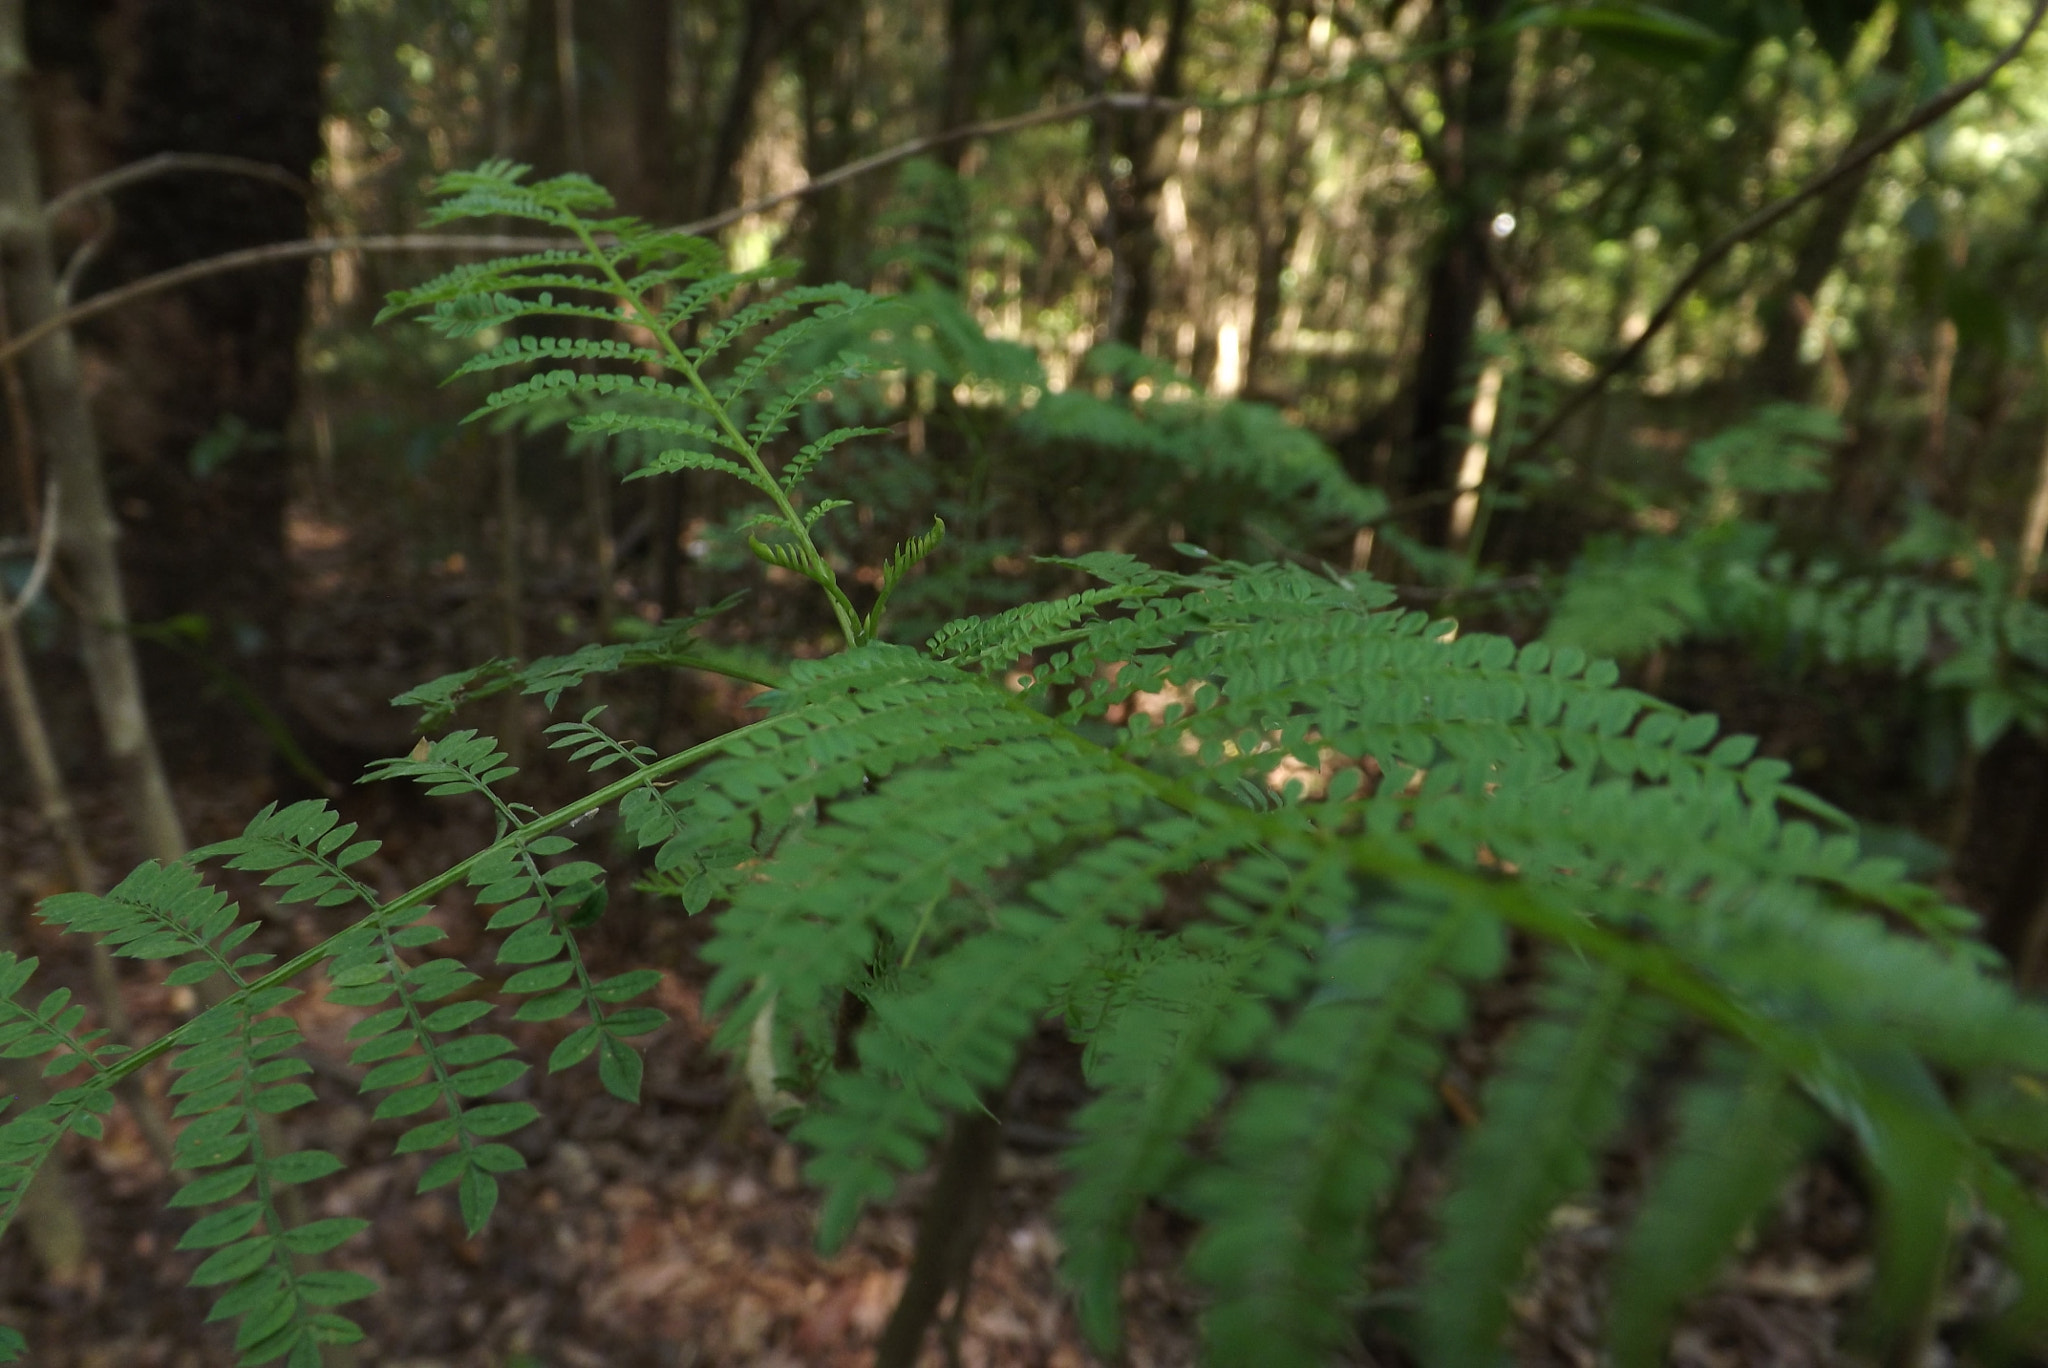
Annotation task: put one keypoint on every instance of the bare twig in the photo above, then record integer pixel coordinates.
(913, 147)
(263, 256)
(46, 553)
(270, 253)
(274, 252)
(1770, 215)
(166, 163)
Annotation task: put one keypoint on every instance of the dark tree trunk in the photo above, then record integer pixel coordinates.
(631, 132)
(831, 59)
(1473, 148)
(966, 64)
(710, 187)
(949, 1231)
(207, 375)
(1274, 195)
(759, 40)
(1127, 143)
(2000, 862)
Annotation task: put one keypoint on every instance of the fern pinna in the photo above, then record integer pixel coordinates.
(1257, 837)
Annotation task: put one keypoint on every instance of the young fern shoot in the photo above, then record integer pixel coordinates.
(657, 283)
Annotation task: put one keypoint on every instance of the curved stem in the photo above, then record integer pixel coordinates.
(447, 878)
(679, 361)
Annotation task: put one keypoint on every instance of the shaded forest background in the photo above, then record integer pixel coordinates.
(1365, 253)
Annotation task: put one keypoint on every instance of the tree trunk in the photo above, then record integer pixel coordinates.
(711, 186)
(1473, 143)
(831, 59)
(203, 379)
(1127, 147)
(762, 36)
(1274, 193)
(87, 533)
(949, 1231)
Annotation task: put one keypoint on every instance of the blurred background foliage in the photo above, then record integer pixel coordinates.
(1297, 278)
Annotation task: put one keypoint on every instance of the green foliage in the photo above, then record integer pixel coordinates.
(671, 645)
(1740, 1131)
(1256, 836)
(1932, 608)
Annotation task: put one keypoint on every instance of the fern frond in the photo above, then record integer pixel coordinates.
(472, 314)
(952, 1033)
(460, 762)
(749, 375)
(1309, 1154)
(405, 1056)
(1741, 1131)
(611, 422)
(806, 460)
(1169, 1017)
(237, 1067)
(681, 458)
(900, 564)
(554, 384)
(630, 273)
(520, 350)
(780, 407)
(549, 677)
(165, 912)
(1231, 442)
(822, 507)
(1557, 1096)
(1002, 639)
(690, 303)
(729, 330)
(496, 188)
(30, 1137)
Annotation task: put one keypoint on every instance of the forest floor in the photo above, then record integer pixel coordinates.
(680, 1232)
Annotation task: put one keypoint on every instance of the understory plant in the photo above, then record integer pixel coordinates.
(1256, 837)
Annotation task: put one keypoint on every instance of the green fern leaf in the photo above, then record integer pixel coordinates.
(1740, 1133)
(1558, 1094)
(1309, 1154)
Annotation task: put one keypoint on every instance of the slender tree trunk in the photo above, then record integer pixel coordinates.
(766, 29)
(87, 533)
(831, 60)
(511, 545)
(949, 1231)
(215, 362)
(48, 1210)
(1473, 146)
(1273, 195)
(1127, 154)
(711, 186)
(966, 64)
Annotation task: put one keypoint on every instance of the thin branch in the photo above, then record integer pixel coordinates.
(265, 255)
(46, 555)
(1437, 163)
(165, 163)
(429, 242)
(1769, 216)
(432, 242)
(912, 147)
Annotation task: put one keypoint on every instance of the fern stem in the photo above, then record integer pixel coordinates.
(949, 1230)
(850, 623)
(447, 878)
